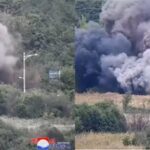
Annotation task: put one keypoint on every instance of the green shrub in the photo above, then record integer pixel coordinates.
(21, 111)
(126, 100)
(8, 99)
(143, 138)
(127, 141)
(78, 127)
(134, 141)
(55, 133)
(67, 78)
(13, 139)
(103, 117)
(51, 132)
(59, 106)
(35, 106)
(147, 140)
(3, 108)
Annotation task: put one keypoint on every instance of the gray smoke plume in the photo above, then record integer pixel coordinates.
(130, 17)
(115, 57)
(7, 50)
(132, 73)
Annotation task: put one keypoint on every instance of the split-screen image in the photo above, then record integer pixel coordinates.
(74, 74)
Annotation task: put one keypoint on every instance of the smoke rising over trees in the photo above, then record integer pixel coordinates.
(7, 53)
(114, 55)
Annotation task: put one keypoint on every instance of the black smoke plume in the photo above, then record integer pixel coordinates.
(115, 56)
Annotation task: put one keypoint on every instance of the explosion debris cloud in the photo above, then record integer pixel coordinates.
(115, 57)
(7, 49)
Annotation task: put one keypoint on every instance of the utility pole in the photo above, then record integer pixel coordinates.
(24, 72)
(25, 57)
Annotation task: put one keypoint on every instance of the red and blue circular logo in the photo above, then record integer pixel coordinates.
(43, 143)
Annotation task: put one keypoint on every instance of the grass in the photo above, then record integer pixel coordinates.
(63, 124)
(135, 110)
(139, 105)
(103, 141)
(138, 101)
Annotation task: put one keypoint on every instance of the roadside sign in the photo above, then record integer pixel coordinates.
(54, 74)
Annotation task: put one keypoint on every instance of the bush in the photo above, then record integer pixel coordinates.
(147, 143)
(78, 127)
(3, 108)
(134, 141)
(55, 133)
(35, 106)
(127, 141)
(67, 78)
(59, 106)
(21, 111)
(13, 139)
(8, 99)
(143, 138)
(103, 117)
(126, 100)
(51, 132)
(32, 106)
(139, 123)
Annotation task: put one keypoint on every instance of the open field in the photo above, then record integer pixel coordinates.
(138, 101)
(31, 124)
(111, 141)
(103, 141)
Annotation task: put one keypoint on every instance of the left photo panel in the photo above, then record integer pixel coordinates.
(37, 74)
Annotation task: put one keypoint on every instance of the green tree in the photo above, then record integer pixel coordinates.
(67, 78)
(103, 117)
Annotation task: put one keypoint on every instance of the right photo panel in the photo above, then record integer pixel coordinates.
(112, 74)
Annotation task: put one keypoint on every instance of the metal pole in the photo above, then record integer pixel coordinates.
(24, 73)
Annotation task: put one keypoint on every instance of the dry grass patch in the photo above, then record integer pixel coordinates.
(63, 124)
(103, 141)
(138, 101)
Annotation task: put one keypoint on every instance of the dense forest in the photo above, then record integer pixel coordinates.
(44, 27)
(89, 9)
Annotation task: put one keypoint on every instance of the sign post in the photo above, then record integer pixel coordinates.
(54, 74)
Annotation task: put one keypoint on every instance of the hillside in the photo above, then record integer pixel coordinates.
(44, 28)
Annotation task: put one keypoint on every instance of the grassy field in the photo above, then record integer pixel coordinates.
(108, 140)
(138, 101)
(103, 141)
(33, 124)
